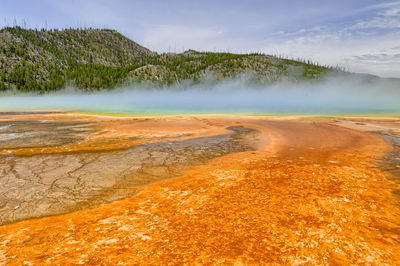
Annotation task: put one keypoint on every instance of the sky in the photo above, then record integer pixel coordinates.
(359, 35)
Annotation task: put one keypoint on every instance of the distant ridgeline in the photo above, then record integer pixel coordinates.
(93, 59)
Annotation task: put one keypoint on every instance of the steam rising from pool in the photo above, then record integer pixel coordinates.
(332, 96)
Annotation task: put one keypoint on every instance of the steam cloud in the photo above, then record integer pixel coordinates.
(345, 95)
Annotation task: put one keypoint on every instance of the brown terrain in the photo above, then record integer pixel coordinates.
(87, 189)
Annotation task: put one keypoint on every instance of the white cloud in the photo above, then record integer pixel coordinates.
(387, 17)
(375, 55)
(382, 22)
(176, 38)
(393, 11)
(370, 45)
(383, 5)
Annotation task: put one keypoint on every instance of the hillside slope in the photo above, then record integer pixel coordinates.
(91, 59)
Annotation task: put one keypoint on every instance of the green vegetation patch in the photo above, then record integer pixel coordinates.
(94, 59)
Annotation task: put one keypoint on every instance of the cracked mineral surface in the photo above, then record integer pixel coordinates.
(50, 184)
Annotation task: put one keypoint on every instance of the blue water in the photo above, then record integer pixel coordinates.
(229, 98)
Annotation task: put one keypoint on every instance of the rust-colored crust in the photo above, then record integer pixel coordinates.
(312, 195)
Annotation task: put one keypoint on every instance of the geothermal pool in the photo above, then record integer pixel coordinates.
(329, 97)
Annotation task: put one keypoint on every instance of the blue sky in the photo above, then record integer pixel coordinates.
(361, 35)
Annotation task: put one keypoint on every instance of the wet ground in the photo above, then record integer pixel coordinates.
(391, 161)
(31, 134)
(50, 184)
(389, 130)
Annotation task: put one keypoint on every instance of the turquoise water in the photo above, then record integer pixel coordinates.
(223, 99)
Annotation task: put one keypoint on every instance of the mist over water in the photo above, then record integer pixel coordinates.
(332, 96)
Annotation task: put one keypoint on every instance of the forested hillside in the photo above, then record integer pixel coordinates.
(92, 59)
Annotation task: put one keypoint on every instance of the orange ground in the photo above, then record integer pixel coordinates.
(313, 195)
(115, 132)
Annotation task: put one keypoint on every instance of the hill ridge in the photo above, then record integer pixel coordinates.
(93, 59)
